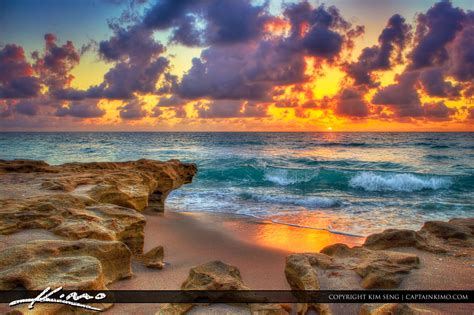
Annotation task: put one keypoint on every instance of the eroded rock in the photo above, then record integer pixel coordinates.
(113, 257)
(219, 276)
(391, 309)
(378, 268)
(154, 258)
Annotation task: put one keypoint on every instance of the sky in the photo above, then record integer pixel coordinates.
(236, 65)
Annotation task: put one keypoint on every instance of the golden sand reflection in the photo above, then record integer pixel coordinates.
(290, 238)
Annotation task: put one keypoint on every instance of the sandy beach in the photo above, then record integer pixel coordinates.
(259, 250)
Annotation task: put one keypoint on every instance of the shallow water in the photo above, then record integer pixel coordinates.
(356, 183)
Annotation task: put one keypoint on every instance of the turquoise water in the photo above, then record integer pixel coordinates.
(356, 183)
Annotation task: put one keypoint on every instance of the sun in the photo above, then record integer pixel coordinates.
(329, 128)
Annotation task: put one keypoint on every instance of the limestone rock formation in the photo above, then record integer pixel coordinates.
(214, 275)
(372, 266)
(87, 200)
(219, 276)
(434, 236)
(154, 258)
(93, 211)
(36, 264)
(391, 309)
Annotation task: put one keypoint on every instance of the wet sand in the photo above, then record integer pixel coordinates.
(257, 248)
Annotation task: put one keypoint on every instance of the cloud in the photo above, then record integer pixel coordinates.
(437, 111)
(211, 22)
(350, 102)
(461, 52)
(250, 70)
(55, 64)
(402, 97)
(17, 78)
(230, 109)
(170, 101)
(434, 84)
(393, 39)
(82, 109)
(435, 29)
(133, 110)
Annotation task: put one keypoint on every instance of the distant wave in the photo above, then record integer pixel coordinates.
(285, 177)
(313, 202)
(370, 181)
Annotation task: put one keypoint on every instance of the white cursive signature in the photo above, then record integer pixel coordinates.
(71, 299)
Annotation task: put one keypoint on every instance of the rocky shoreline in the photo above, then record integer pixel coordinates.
(81, 225)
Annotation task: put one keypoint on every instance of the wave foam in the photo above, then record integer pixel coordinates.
(397, 182)
(307, 202)
(285, 177)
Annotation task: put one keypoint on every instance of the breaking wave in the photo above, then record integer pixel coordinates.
(309, 202)
(370, 181)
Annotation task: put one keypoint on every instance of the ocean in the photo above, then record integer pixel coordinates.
(351, 183)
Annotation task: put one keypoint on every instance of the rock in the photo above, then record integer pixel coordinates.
(154, 258)
(109, 259)
(87, 200)
(390, 309)
(128, 184)
(214, 275)
(174, 309)
(219, 276)
(300, 273)
(385, 270)
(393, 238)
(448, 230)
(71, 273)
(268, 309)
(73, 265)
(468, 222)
(302, 276)
(378, 268)
(338, 250)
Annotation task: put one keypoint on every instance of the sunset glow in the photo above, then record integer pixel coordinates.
(266, 66)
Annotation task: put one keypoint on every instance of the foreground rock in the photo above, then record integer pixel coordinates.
(87, 200)
(154, 258)
(391, 309)
(216, 275)
(94, 211)
(373, 266)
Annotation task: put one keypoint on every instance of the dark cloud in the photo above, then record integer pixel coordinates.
(327, 29)
(170, 101)
(233, 21)
(82, 109)
(437, 111)
(250, 70)
(461, 52)
(208, 22)
(220, 74)
(17, 78)
(392, 41)
(133, 110)
(435, 29)
(230, 109)
(135, 44)
(165, 13)
(138, 64)
(55, 64)
(350, 102)
(402, 97)
(27, 107)
(470, 113)
(434, 84)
